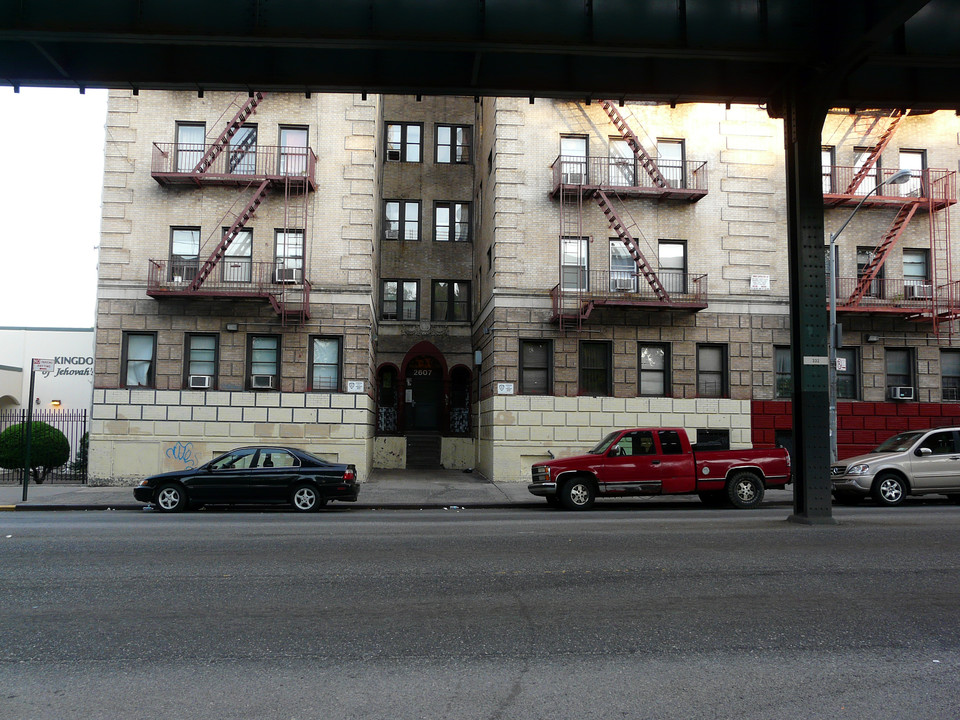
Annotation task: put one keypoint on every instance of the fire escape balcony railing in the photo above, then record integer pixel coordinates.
(603, 287)
(896, 295)
(935, 186)
(177, 163)
(625, 176)
(233, 278)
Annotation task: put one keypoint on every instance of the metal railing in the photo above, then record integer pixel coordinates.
(893, 293)
(931, 184)
(625, 173)
(625, 288)
(232, 276)
(72, 423)
(259, 162)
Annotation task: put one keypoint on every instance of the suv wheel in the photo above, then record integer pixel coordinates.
(577, 494)
(889, 490)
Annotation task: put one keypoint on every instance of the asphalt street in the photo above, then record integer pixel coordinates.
(526, 613)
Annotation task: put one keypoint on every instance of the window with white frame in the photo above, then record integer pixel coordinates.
(293, 150)
(622, 162)
(623, 268)
(238, 259)
(191, 145)
(288, 254)
(573, 263)
(916, 274)
(200, 364)
(184, 254)
(869, 182)
(325, 357)
(916, 162)
(263, 353)
(573, 159)
(827, 162)
(670, 155)
(673, 265)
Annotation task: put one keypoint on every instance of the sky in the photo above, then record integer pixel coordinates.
(51, 179)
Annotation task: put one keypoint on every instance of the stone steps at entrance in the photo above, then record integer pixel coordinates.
(423, 450)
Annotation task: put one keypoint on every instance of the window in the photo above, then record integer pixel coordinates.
(670, 161)
(670, 443)
(403, 220)
(573, 263)
(289, 255)
(827, 162)
(238, 260)
(783, 377)
(400, 300)
(573, 160)
(184, 254)
(916, 162)
(869, 182)
(654, 370)
(536, 367)
(293, 151)
(454, 143)
(950, 375)
(139, 353)
(242, 151)
(864, 257)
(263, 355)
(673, 265)
(847, 373)
(451, 222)
(712, 371)
(916, 274)
(404, 141)
(324, 364)
(623, 163)
(899, 368)
(596, 376)
(191, 144)
(712, 439)
(941, 443)
(451, 300)
(200, 365)
(623, 268)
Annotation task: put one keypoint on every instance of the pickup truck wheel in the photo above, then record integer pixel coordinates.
(889, 490)
(577, 494)
(745, 490)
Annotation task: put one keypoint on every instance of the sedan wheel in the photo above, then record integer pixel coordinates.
(305, 499)
(577, 494)
(889, 490)
(171, 498)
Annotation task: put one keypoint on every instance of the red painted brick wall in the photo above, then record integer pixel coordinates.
(861, 426)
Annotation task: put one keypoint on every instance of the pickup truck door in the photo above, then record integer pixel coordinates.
(677, 469)
(633, 465)
(939, 469)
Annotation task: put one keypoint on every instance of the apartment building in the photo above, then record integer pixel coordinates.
(483, 283)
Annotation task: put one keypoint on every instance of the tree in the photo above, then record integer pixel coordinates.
(49, 449)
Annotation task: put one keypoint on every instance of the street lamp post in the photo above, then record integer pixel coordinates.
(898, 178)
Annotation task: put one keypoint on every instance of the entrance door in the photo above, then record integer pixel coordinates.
(425, 400)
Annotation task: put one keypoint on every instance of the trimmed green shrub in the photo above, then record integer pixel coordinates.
(49, 449)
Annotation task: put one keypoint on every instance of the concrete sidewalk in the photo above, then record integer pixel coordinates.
(384, 489)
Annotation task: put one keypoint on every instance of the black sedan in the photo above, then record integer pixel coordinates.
(253, 475)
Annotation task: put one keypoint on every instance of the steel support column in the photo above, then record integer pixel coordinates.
(804, 113)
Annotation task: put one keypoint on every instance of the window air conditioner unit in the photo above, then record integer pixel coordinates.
(918, 292)
(393, 155)
(901, 393)
(261, 382)
(393, 234)
(200, 381)
(572, 178)
(623, 283)
(289, 275)
(951, 394)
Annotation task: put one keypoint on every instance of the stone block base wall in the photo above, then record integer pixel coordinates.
(136, 433)
(519, 430)
(861, 426)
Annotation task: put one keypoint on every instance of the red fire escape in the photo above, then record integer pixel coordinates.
(603, 180)
(253, 169)
(932, 191)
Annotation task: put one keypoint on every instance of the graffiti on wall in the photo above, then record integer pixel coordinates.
(182, 453)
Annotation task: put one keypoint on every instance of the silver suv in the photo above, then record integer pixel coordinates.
(918, 462)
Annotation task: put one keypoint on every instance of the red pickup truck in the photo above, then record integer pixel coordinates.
(660, 461)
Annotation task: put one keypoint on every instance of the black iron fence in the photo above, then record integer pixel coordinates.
(73, 425)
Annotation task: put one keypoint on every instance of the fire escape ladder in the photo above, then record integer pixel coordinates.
(230, 235)
(292, 300)
(646, 161)
(571, 309)
(882, 250)
(870, 163)
(218, 146)
(941, 275)
(643, 267)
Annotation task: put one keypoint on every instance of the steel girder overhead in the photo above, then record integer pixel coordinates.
(893, 52)
(798, 57)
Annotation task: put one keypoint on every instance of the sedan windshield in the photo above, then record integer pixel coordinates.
(601, 448)
(898, 443)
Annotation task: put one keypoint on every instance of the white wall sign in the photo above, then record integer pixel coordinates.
(841, 364)
(42, 365)
(759, 282)
(355, 386)
(504, 388)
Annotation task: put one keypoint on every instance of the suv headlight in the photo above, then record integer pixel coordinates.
(858, 470)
